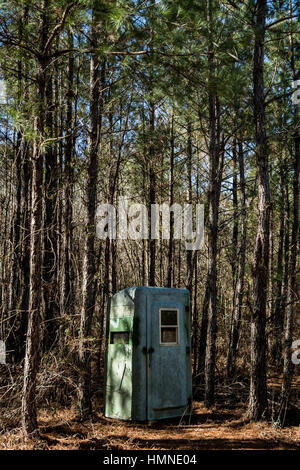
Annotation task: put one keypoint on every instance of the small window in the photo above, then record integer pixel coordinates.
(169, 326)
(119, 337)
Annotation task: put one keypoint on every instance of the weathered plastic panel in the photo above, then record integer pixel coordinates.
(145, 380)
(139, 376)
(118, 373)
(169, 384)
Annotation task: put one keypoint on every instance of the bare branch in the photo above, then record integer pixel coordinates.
(57, 28)
(281, 20)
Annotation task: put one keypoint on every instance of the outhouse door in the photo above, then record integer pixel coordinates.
(168, 341)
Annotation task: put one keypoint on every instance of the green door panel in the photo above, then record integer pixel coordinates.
(119, 368)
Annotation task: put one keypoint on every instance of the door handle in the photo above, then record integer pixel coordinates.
(148, 352)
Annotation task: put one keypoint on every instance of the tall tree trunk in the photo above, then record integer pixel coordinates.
(258, 403)
(32, 354)
(214, 194)
(195, 316)
(203, 335)
(278, 313)
(238, 298)
(234, 239)
(235, 229)
(14, 282)
(88, 285)
(50, 267)
(152, 194)
(25, 258)
(15, 341)
(292, 280)
(68, 288)
(171, 201)
(189, 253)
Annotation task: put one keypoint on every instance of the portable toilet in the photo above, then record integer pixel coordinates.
(148, 374)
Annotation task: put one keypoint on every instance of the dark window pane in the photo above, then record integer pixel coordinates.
(168, 317)
(168, 335)
(119, 337)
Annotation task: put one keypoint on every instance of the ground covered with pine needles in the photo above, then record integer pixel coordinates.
(223, 427)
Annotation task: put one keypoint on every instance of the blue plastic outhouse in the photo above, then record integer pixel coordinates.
(148, 356)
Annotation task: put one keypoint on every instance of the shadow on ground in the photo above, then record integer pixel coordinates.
(205, 429)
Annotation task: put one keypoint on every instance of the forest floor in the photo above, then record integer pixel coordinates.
(223, 427)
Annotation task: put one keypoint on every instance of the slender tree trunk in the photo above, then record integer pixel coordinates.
(258, 404)
(214, 194)
(189, 253)
(15, 341)
(235, 230)
(88, 285)
(68, 289)
(32, 354)
(152, 195)
(292, 280)
(291, 275)
(278, 313)
(203, 335)
(234, 242)
(195, 315)
(171, 201)
(14, 282)
(50, 264)
(25, 257)
(238, 298)
(178, 284)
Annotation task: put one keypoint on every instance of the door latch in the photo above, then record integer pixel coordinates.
(148, 351)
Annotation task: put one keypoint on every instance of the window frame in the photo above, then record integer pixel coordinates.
(116, 332)
(177, 326)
